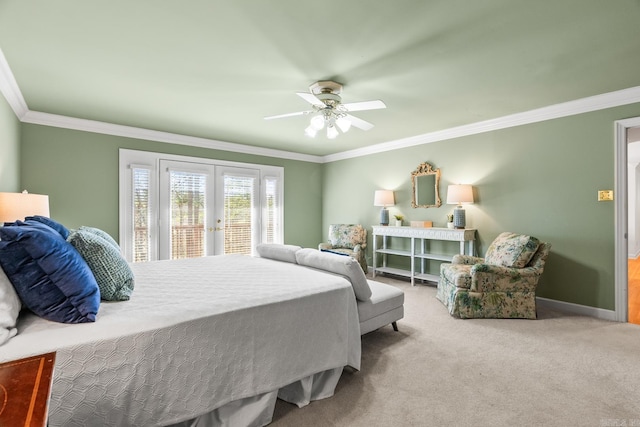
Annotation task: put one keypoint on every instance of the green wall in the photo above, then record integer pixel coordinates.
(10, 148)
(79, 172)
(540, 179)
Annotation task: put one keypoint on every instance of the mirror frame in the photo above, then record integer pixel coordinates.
(422, 170)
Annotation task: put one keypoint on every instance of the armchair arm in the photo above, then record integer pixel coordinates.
(322, 246)
(466, 259)
(486, 278)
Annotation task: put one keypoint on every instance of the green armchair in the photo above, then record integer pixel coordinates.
(501, 285)
(347, 239)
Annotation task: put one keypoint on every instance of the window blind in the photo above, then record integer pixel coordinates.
(238, 208)
(141, 213)
(187, 205)
(272, 211)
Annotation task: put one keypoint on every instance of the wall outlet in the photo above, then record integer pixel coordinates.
(605, 195)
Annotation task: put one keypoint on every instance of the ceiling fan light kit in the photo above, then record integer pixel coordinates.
(317, 122)
(343, 123)
(329, 111)
(332, 132)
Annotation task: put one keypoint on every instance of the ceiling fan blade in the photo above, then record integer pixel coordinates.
(310, 98)
(364, 105)
(359, 123)
(281, 116)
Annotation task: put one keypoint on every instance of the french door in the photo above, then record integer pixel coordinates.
(237, 223)
(185, 216)
(174, 207)
(206, 210)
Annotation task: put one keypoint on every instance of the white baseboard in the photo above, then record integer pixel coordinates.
(583, 310)
(569, 307)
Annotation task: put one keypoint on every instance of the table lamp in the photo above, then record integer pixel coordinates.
(17, 206)
(457, 195)
(384, 198)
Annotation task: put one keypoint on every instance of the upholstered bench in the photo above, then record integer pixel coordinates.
(386, 306)
(378, 304)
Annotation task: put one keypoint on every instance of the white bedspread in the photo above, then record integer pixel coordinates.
(197, 334)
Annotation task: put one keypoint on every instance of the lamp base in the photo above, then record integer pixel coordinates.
(459, 220)
(384, 216)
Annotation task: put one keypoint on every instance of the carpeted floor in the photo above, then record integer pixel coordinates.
(634, 291)
(559, 370)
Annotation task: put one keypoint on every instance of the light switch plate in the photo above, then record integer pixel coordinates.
(605, 195)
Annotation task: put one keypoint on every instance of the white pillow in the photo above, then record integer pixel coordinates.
(339, 264)
(10, 306)
(278, 252)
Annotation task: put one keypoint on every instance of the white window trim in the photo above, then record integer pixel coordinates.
(125, 211)
(151, 160)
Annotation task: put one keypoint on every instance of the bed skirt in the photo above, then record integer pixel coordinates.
(257, 411)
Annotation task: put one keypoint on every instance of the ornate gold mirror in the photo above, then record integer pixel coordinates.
(425, 183)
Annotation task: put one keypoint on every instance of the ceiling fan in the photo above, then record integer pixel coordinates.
(329, 111)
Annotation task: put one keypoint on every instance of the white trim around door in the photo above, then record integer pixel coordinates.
(621, 217)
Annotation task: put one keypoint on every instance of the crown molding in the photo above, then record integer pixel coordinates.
(13, 95)
(10, 90)
(94, 126)
(570, 108)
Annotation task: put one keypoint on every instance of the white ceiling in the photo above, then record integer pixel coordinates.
(213, 69)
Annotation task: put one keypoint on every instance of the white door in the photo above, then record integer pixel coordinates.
(237, 216)
(186, 227)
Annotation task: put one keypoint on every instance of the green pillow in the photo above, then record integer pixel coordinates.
(512, 250)
(112, 272)
(102, 234)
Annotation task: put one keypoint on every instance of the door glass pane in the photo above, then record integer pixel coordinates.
(187, 205)
(141, 214)
(238, 209)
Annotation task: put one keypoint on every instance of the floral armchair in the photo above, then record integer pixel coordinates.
(347, 239)
(501, 285)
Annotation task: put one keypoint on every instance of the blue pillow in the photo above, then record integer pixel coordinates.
(48, 274)
(64, 232)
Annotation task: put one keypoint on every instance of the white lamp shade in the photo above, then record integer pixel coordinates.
(332, 132)
(344, 124)
(317, 122)
(384, 198)
(309, 131)
(459, 193)
(17, 206)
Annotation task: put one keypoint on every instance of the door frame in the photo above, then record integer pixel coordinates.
(129, 158)
(621, 217)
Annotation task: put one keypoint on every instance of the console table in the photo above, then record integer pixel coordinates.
(466, 237)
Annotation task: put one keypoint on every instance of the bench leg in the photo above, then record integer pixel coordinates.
(395, 326)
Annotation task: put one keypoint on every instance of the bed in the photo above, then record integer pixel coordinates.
(204, 341)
